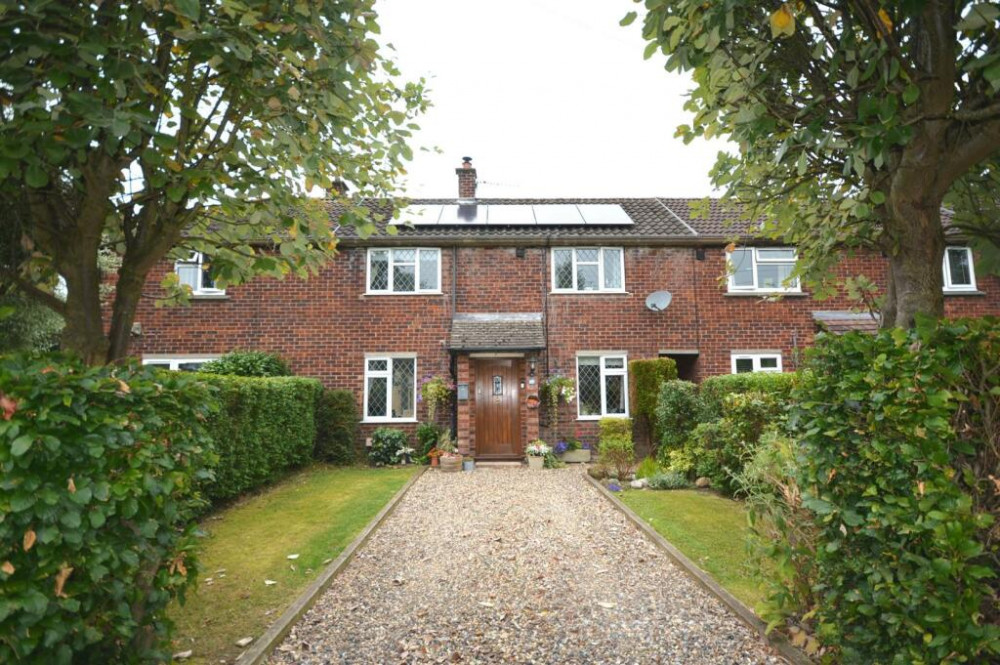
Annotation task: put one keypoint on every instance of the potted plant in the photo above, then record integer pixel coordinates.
(451, 460)
(403, 455)
(436, 392)
(433, 454)
(572, 451)
(536, 452)
(557, 390)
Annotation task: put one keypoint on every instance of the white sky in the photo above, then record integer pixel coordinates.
(551, 98)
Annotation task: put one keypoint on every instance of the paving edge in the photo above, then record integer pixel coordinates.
(278, 630)
(744, 613)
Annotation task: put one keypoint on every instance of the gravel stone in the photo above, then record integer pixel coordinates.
(505, 565)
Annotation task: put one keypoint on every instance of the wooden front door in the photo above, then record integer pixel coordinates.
(498, 422)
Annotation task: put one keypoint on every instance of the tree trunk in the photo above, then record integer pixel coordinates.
(916, 251)
(128, 291)
(84, 331)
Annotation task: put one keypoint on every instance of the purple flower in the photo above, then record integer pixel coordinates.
(585, 445)
(561, 447)
(614, 487)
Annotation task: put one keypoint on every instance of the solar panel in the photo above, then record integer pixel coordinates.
(564, 214)
(604, 214)
(419, 215)
(515, 214)
(463, 215)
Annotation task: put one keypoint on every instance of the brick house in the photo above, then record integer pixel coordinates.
(498, 295)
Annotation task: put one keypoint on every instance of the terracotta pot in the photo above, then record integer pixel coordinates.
(434, 461)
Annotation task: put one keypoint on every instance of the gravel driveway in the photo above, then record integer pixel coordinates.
(514, 566)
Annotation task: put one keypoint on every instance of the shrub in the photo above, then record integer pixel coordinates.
(668, 480)
(900, 436)
(646, 377)
(701, 449)
(713, 390)
(386, 445)
(337, 429)
(247, 363)
(647, 468)
(263, 428)
(676, 414)
(100, 469)
(783, 536)
(615, 448)
(427, 437)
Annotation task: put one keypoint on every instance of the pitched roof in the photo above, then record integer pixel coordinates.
(652, 218)
(497, 332)
(840, 322)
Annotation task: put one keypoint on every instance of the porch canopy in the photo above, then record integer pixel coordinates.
(497, 332)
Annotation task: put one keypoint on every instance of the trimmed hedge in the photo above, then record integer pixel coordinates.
(899, 454)
(247, 363)
(677, 412)
(713, 390)
(337, 428)
(646, 377)
(100, 474)
(262, 428)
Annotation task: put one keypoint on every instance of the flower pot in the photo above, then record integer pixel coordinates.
(468, 465)
(434, 461)
(451, 464)
(581, 456)
(536, 463)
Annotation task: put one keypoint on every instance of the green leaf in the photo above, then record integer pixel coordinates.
(36, 176)
(189, 8)
(21, 445)
(911, 94)
(627, 19)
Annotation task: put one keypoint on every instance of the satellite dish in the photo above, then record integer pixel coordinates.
(657, 301)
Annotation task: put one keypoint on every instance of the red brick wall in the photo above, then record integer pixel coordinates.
(326, 325)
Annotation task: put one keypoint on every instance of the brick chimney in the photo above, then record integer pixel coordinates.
(466, 179)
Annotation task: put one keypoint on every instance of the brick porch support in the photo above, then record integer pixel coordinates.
(464, 435)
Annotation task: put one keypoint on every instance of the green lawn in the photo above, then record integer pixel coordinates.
(315, 513)
(708, 529)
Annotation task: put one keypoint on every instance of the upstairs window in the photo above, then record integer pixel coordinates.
(390, 388)
(602, 386)
(959, 274)
(588, 269)
(196, 272)
(744, 363)
(404, 270)
(762, 270)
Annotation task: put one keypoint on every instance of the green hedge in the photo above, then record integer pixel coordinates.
(337, 428)
(899, 448)
(247, 363)
(646, 377)
(262, 428)
(100, 469)
(677, 413)
(713, 390)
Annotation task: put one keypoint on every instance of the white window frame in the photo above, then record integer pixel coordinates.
(605, 371)
(174, 362)
(387, 374)
(946, 269)
(756, 357)
(198, 259)
(754, 262)
(416, 272)
(600, 269)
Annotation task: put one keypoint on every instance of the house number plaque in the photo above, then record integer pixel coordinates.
(497, 385)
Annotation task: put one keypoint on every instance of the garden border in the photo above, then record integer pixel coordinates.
(276, 633)
(745, 614)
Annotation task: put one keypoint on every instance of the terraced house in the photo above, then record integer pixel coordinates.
(498, 295)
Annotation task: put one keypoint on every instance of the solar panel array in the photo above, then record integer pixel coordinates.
(515, 214)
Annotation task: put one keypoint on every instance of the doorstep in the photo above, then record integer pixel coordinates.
(486, 464)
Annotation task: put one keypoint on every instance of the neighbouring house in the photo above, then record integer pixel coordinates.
(500, 294)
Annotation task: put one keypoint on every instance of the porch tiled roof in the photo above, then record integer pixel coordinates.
(840, 322)
(496, 332)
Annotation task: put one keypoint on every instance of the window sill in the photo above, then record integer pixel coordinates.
(596, 418)
(209, 296)
(408, 294)
(590, 293)
(765, 294)
(963, 292)
(388, 421)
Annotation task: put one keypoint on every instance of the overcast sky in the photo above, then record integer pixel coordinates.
(550, 98)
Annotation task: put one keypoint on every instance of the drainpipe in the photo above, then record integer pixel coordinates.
(454, 357)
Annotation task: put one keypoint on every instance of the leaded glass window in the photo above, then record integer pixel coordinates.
(602, 385)
(390, 388)
(588, 269)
